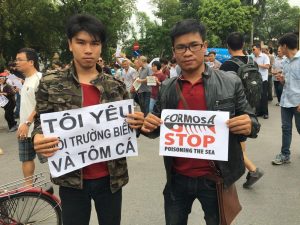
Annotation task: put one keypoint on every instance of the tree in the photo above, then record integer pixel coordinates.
(222, 17)
(278, 18)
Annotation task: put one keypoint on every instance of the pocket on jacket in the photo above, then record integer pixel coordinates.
(227, 105)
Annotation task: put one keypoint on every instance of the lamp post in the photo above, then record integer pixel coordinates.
(252, 24)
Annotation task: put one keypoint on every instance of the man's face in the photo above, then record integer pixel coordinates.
(211, 57)
(154, 68)
(256, 51)
(125, 65)
(137, 64)
(86, 50)
(22, 63)
(2, 80)
(189, 61)
(281, 51)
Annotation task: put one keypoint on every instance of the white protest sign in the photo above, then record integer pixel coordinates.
(194, 134)
(151, 80)
(14, 81)
(3, 101)
(89, 135)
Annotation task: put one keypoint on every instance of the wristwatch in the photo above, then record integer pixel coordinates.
(28, 123)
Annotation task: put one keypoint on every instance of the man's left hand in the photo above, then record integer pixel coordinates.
(240, 125)
(22, 132)
(298, 108)
(135, 120)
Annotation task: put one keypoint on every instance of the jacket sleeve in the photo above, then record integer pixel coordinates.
(243, 107)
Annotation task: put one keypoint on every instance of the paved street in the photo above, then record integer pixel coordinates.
(274, 200)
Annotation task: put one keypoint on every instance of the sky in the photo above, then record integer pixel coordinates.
(144, 6)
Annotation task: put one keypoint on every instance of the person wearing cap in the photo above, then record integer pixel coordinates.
(8, 92)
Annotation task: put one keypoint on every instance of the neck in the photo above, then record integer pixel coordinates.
(86, 75)
(291, 53)
(195, 75)
(30, 72)
(237, 53)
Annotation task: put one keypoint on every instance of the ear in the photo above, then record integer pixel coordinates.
(70, 45)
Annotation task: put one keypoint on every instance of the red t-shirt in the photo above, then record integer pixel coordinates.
(155, 89)
(91, 96)
(195, 97)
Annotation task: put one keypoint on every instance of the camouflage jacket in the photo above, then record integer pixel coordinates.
(61, 90)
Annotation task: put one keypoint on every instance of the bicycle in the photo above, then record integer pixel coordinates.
(29, 205)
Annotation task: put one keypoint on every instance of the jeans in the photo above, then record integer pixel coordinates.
(76, 204)
(152, 103)
(181, 195)
(278, 89)
(286, 126)
(18, 100)
(144, 100)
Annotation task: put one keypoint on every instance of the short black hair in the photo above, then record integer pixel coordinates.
(187, 26)
(212, 52)
(290, 40)
(173, 61)
(31, 54)
(87, 23)
(235, 41)
(163, 61)
(256, 45)
(157, 64)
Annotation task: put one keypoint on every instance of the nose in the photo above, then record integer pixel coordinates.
(88, 49)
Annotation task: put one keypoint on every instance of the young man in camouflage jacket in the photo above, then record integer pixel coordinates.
(82, 85)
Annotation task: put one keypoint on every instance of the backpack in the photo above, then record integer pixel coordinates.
(251, 79)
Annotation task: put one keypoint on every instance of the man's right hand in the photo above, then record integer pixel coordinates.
(46, 146)
(151, 122)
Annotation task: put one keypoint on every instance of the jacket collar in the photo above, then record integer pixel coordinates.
(73, 73)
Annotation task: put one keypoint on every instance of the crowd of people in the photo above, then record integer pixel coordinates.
(192, 80)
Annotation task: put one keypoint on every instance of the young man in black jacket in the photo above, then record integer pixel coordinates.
(203, 89)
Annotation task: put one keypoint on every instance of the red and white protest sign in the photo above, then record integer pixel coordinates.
(194, 134)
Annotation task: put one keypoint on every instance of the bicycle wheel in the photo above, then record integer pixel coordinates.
(29, 208)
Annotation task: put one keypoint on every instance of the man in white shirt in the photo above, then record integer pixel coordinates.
(27, 63)
(263, 62)
(128, 75)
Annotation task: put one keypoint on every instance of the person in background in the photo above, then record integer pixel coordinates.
(160, 77)
(213, 63)
(235, 44)
(27, 63)
(164, 67)
(173, 71)
(290, 98)
(277, 69)
(263, 62)
(8, 92)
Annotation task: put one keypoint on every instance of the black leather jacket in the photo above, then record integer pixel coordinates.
(224, 92)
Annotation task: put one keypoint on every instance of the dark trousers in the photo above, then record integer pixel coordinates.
(180, 196)
(270, 88)
(76, 204)
(262, 108)
(144, 100)
(278, 89)
(9, 113)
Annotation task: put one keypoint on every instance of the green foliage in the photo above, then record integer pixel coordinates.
(278, 18)
(222, 17)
